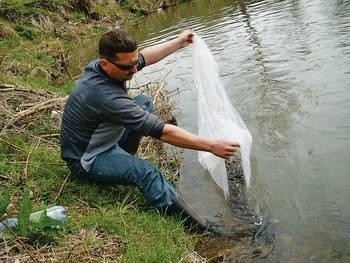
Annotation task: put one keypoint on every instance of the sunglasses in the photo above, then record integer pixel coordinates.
(123, 66)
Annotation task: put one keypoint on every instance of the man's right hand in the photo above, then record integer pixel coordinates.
(179, 137)
(223, 148)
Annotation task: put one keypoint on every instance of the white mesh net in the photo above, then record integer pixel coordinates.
(217, 118)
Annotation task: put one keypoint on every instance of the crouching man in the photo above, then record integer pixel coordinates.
(102, 126)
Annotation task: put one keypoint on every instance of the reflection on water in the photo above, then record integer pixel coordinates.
(286, 68)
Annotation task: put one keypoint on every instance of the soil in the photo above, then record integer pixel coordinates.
(249, 237)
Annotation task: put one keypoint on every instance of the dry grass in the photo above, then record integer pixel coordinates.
(22, 107)
(85, 246)
(6, 31)
(22, 110)
(168, 162)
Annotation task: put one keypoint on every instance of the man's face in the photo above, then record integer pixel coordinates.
(122, 66)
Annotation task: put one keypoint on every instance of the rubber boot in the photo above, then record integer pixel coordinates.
(192, 220)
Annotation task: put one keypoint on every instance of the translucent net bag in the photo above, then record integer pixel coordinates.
(217, 118)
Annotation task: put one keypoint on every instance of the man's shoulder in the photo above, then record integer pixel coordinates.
(92, 71)
(94, 75)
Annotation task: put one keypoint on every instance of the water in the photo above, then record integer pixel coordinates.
(286, 68)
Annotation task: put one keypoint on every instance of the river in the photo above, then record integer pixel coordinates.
(286, 68)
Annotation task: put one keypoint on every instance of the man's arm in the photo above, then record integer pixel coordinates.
(156, 53)
(179, 137)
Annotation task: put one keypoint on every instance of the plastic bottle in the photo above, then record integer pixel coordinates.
(55, 212)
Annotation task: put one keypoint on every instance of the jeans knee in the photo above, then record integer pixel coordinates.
(157, 189)
(151, 177)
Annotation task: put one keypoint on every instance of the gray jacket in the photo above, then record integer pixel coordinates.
(97, 113)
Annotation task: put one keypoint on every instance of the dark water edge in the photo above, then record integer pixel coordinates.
(285, 66)
(247, 236)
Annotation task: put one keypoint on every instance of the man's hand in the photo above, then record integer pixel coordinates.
(185, 38)
(223, 148)
(179, 137)
(156, 53)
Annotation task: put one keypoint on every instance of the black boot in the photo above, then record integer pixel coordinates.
(192, 220)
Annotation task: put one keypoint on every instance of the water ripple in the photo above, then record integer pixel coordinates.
(286, 68)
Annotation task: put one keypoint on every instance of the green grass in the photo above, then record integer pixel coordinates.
(37, 179)
(15, 10)
(150, 237)
(30, 165)
(37, 172)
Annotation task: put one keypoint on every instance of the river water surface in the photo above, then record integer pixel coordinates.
(286, 68)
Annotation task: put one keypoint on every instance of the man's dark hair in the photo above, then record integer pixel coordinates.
(116, 41)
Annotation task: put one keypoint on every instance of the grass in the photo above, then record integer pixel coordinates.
(44, 36)
(98, 216)
(151, 238)
(38, 47)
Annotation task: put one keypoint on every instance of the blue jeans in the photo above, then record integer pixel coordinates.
(118, 165)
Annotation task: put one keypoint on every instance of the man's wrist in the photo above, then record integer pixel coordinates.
(177, 44)
(210, 146)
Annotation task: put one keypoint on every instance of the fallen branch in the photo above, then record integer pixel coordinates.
(9, 87)
(39, 107)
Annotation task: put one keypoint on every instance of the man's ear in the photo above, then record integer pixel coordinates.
(103, 62)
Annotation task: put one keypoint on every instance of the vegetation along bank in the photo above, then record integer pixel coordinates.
(41, 54)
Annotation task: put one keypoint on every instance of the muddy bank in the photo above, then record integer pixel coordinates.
(246, 236)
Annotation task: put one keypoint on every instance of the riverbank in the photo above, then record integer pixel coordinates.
(40, 44)
(41, 56)
(114, 224)
(41, 41)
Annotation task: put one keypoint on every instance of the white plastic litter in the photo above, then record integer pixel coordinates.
(217, 118)
(56, 212)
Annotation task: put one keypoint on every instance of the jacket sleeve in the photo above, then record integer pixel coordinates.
(124, 111)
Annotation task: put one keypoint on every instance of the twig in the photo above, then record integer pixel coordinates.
(34, 145)
(6, 247)
(157, 92)
(62, 186)
(46, 170)
(70, 252)
(20, 241)
(50, 135)
(44, 140)
(64, 64)
(49, 163)
(9, 87)
(5, 177)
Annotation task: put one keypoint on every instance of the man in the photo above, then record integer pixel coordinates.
(102, 126)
